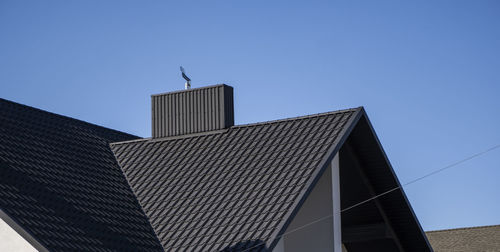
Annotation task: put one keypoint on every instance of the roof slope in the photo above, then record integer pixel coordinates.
(60, 183)
(231, 188)
(486, 238)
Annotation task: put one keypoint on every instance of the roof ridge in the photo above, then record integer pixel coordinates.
(239, 126)
(298, 117)
(462, 228)
(63, 116)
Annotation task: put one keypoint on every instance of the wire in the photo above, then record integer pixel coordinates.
(423, 177)
(384, 193)
(454, 164)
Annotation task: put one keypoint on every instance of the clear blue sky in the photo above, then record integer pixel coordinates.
(427, 72)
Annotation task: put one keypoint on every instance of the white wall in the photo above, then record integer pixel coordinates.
(11, 241)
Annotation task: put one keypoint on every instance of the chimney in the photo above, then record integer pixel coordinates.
(192, 111)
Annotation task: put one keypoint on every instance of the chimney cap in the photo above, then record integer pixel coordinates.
(191, 111)
(192, 89)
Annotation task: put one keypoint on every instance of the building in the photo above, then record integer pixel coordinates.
(485, 239)
(201, 183)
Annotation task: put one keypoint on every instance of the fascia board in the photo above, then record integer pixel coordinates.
(22, 232)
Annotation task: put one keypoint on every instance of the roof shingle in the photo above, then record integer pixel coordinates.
(485, 238)
(60, 182)
(63, 183)
(227, 188)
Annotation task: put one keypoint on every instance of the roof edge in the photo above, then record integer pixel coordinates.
(66, 117)
(461, 228)
(397, 180)
(150, 139)
(192, 89)
(27, 235)
(297, 117)
(334, 149)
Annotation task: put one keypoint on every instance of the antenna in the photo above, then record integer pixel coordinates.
(187, 85)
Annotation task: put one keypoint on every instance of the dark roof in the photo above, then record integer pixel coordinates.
(63, 188)
(60, 183)
(231, 187)
(485, 238)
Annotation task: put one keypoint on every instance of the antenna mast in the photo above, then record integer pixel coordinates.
(187, 85)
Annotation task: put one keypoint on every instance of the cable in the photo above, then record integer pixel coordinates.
(423, 177)
(384, 193)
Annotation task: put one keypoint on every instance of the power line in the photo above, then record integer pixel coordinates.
(423, 177)
(454, 164)
(386, 192)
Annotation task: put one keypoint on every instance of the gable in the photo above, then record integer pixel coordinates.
(366, 173)
(231, 189)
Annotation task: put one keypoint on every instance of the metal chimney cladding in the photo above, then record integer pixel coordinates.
(192, 111)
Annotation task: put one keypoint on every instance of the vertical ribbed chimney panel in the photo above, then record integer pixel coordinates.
(192, 111)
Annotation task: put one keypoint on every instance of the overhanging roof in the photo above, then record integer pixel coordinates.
(241, 187)
(61, 186)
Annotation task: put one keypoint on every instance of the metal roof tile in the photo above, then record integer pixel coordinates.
(61, 183)
(228, 186)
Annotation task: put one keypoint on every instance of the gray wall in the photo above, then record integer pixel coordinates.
(318, 236)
